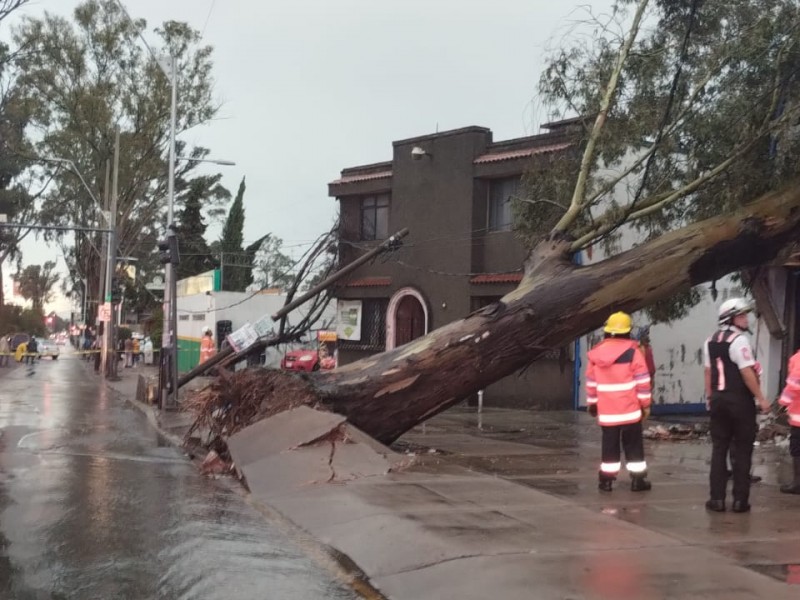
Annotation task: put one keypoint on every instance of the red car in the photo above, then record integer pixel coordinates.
(306, 360)
(301, 360)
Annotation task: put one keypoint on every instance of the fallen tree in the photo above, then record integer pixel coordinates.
(389, 393)
(691, 129)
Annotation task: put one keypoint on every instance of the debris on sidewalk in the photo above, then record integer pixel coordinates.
(214, 464)
(770, 430)
(229, 404)
(676, 432)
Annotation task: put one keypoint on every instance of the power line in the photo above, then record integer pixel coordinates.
(208, 16)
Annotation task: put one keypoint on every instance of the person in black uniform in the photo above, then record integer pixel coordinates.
(731, 386)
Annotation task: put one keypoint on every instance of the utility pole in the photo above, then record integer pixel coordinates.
(169, 344)
(109, 353)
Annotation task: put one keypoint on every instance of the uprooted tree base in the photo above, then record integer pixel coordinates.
(387, 394)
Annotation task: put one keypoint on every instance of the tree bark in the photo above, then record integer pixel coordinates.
(557, 301)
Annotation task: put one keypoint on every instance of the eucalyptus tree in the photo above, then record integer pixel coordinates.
(36, 283)
(85, 78)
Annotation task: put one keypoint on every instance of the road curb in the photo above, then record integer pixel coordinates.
(341, 566)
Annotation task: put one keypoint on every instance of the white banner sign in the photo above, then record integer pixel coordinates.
(242, 337)
(348, 319)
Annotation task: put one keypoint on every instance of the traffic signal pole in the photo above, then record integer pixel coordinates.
(110, 363)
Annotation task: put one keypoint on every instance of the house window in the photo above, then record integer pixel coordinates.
(375, 217)
(501, 191)
(373, 326)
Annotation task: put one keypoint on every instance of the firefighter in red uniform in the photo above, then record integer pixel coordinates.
(618, 394)
(790, 398)
(731, 385)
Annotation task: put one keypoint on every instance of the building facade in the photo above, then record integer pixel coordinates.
(453, 191)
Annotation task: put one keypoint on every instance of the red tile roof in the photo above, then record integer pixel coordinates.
(364, 177)
(523, 153)
(497, 278)
(370, 282)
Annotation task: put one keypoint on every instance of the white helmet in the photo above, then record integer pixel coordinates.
(731, 308)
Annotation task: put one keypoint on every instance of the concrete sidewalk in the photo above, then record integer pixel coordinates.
(505, 505)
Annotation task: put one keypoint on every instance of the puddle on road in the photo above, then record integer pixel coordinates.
(43, 440)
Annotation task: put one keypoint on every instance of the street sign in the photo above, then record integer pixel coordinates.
(104, 312)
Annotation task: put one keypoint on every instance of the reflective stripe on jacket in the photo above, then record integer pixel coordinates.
(617, 381)
(790, 397)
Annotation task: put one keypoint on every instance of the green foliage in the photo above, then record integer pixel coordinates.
(15, 319)
(235, 278)
(155, 328)
(82, 78)
(36, 283)
(703, 120)
(123, 333)
(271, 267)
(706, 83)
(196, 256)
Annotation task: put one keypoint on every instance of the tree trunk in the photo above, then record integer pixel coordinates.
(387, 394)
(557, 301)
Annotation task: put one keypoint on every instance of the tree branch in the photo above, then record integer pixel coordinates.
(587, 162)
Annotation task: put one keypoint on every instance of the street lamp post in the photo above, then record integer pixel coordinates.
(169, 345)
(110, 219)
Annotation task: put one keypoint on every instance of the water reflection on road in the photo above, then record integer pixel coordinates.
(93, 506)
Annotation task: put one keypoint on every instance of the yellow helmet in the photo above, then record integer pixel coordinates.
(618, 323)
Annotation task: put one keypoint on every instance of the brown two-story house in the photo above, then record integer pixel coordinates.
(452, 191)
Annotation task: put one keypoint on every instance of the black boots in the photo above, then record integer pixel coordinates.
(639, 483)
(715, 505)
(794, 487)
(605, 482)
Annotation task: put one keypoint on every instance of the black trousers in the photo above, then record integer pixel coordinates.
(794, 442)
(630, 437)
(733, 429)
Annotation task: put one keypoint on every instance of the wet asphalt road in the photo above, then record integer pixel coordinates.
(93, 504)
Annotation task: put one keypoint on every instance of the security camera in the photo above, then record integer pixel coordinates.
(417, 153)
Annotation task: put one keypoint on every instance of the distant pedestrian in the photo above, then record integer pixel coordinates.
(618, 394)
(148, 351)
(731, 386)
(137, 349)
(5, 350)
(128, 353)
(31, 351)
(790, 398)
(207, 346)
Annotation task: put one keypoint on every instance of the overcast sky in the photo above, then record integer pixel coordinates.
(309, 87)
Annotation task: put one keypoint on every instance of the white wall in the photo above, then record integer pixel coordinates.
(677, 347)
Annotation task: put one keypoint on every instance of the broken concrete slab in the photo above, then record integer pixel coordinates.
(288, 471)
(302, 447)
(281, 432)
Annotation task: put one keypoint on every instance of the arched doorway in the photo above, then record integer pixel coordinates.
(409, 321)
(406, 318)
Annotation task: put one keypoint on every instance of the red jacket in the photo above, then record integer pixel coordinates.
(791, 393)
(617, 381)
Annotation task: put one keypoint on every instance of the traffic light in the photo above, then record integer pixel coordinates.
(116, 291)
(168, 251)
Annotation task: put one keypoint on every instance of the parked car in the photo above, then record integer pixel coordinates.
(46, 348)
(301, 360)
